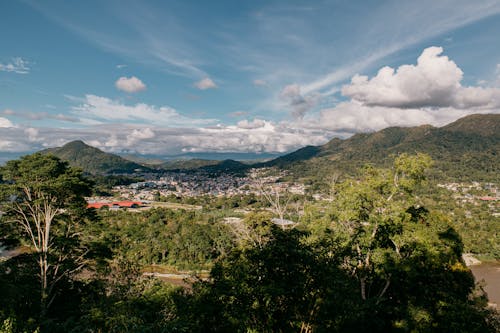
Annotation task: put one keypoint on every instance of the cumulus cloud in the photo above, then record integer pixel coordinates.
(16, 65)
(205, 84)
(139, 134)
(32, 134)
(4, 122)
(298, 103)
(248, 136)
(433, 82)
(256, 123)
(103, 109)
(253, 136)
(429, 92)
(353, 117)
(130, 85)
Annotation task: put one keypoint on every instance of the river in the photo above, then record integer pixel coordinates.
(490, 273)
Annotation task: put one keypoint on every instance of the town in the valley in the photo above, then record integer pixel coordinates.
(157, 188)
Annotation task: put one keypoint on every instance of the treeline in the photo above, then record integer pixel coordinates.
(377, 258)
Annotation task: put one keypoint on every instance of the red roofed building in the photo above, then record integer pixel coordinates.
(488, 198)
(116, 204)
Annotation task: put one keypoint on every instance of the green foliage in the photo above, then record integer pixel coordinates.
(380, 257)
(184, 239)
(93, 160)
(462, 151)
(43, 201)
(274, 288)
(120, 300)
(104, 184)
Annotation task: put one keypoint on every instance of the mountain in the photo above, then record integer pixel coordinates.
(93, 160)
(226, 166)
(468, 148)
(187, 164)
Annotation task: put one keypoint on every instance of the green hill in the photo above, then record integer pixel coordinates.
(467, 149)
(226, 166)
(187, 164)
(93, 160)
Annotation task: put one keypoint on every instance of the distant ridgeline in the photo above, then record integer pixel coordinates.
(467, 149)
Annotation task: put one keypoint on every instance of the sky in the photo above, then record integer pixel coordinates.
(171, 77)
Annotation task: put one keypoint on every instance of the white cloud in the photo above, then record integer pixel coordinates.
(497, 75)
(238, 114)
(102, 109)
(433, 82)
(205, 84)
(248, 136)
(4, 122)
(8, 112)
(354, 117)
(16, 65)
(256, 123)
(39, 115)
(139, 134)
(259, 83)
(298, 103)
(130, 85)
(32, 134)
(253, 136)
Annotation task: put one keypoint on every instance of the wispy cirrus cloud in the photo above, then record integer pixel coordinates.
(149, 36)
(42, 115)
(16, 65)
(321, 56)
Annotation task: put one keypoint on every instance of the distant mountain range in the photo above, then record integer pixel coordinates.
(465, 149)
(468, 148)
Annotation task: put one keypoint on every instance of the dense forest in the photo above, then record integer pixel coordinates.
(383, 254)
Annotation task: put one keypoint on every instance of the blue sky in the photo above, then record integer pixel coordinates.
(167, 77)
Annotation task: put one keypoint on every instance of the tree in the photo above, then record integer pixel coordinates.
(44, 199)
(405, 259)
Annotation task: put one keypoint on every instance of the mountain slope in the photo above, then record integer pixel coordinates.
(468, 148)
(93, 160)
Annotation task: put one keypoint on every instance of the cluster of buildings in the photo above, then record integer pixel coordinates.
(200, 183)
(474, 193)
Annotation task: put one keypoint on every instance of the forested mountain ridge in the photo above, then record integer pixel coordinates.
(93, 160)
(466, 148)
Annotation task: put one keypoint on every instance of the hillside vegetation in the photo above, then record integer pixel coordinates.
(467, 149)
(93, 160)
